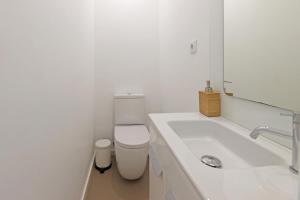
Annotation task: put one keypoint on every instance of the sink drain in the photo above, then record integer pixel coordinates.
(211, 161)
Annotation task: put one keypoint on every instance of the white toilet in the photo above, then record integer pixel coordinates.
(131, 135)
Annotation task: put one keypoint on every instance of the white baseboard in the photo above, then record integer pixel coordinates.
(86, 184)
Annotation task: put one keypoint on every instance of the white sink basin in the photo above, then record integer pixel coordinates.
(235, 151)
(251, 169)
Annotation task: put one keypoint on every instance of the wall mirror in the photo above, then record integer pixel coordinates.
(262, 51)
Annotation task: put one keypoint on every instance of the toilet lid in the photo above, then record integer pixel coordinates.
(132, 136)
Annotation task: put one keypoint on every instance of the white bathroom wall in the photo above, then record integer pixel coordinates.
(243, 112)
(183, 74)
(46, 98)
(126, 56)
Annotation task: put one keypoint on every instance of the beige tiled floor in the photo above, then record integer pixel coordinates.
(110, 186)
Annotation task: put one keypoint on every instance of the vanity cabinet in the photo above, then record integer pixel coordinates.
(167, 179)
(156, 184)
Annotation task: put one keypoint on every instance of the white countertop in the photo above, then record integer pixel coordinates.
(258, 183)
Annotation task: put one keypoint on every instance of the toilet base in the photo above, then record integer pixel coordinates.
(102, 169)
(131, 163)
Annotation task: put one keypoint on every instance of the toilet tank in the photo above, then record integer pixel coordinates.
(129, 109)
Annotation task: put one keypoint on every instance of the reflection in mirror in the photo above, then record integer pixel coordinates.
(262, 51)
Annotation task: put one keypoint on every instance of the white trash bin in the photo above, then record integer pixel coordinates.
(103, 155)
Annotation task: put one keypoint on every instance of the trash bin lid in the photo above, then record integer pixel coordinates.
(103, 143)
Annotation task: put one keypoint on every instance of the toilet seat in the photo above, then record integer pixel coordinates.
(132, 136)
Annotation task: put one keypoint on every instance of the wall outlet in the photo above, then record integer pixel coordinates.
(194, 46)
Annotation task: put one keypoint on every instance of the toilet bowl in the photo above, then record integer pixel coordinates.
(131, 148)
(131, 136)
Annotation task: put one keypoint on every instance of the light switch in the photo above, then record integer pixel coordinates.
(194, 46)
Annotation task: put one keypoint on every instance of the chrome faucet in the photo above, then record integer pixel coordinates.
(295, 138)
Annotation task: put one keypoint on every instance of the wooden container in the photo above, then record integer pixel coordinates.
(210, 103)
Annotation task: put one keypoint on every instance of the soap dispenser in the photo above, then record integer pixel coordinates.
(208, 88)
(209, 101)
